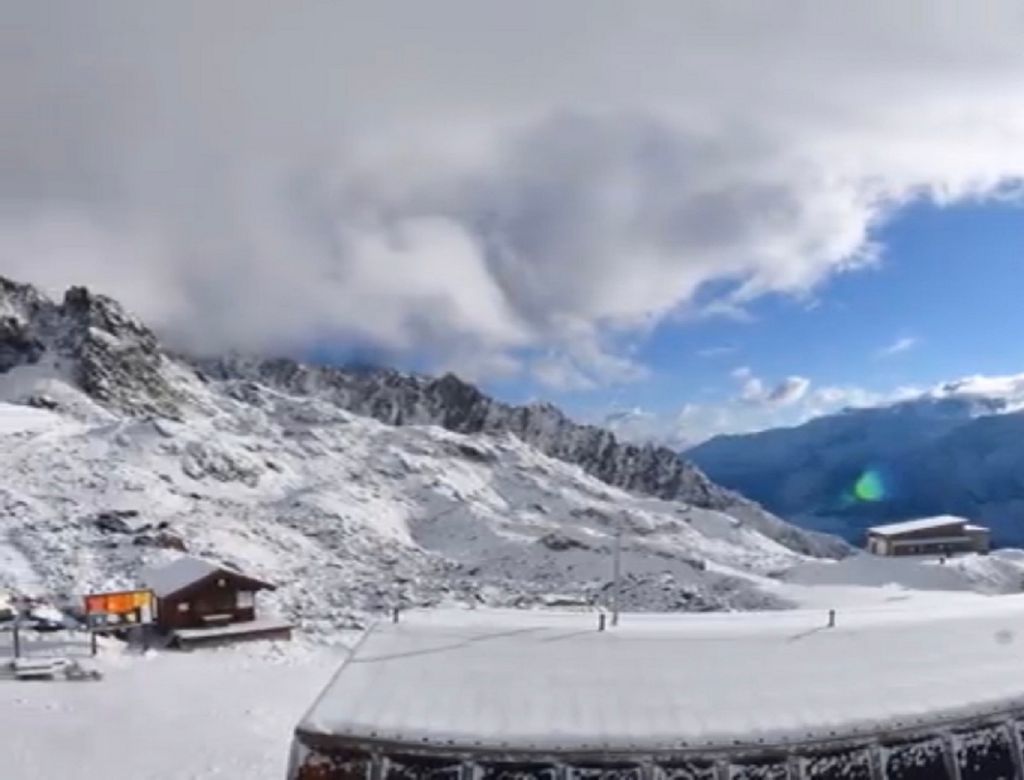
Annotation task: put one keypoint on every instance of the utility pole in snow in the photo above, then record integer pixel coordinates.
(17, 633)
(616, 572)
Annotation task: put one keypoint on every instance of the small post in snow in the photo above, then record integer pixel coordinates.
(616, 575)
(17, 635)
(831, 618)
(394, 614)
(600, 621)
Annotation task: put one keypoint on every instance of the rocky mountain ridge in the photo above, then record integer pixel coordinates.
(403, 399)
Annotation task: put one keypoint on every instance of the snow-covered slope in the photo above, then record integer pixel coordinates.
(348, 514)
(403, 399)
(956, 449)
(445, 496)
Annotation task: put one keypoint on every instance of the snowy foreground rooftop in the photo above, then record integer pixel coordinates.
(542, 681)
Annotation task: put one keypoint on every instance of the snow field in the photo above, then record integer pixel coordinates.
(225, 713)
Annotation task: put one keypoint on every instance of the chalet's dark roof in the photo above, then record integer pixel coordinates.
(187, 571)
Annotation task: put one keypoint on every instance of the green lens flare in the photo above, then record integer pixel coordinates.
(870, 487)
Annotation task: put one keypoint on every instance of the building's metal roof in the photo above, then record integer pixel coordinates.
(923, 524)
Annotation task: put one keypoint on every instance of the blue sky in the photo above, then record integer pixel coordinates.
(944, 300)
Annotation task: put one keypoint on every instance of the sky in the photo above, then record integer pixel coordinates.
(943, 302)
(681, 218)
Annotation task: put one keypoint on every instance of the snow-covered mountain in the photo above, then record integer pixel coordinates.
(954, 449)
(403, 399)
(352, 489)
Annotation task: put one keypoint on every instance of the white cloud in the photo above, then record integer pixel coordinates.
(697, 422)
(898, 347)
(829, 399)
(463, 179)
(579, 359)
(557, 372)
(789, 391)
(642, 426)
(794, 403)
(754, 392)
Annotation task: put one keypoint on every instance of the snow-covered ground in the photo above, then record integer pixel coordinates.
(1000, 572)
(538, 675)
(226, 713)
(349, 515)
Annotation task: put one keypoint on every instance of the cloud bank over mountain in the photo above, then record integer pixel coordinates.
(499, 190)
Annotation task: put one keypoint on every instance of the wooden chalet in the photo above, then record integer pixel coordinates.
(199, 602)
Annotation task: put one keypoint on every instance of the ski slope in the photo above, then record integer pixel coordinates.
(523, 682)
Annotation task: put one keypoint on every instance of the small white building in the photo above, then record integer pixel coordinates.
(940, 535)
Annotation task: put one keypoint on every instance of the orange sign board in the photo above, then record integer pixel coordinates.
(123, 602)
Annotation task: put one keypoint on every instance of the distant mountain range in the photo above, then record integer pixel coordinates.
(957, 449)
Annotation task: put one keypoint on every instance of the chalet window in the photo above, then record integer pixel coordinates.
(246, 599)
(184, 606)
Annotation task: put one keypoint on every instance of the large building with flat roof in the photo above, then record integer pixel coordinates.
(883, 694)
(942, 535)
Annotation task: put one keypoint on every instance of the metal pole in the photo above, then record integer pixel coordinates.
(17, 634)
(616, 574)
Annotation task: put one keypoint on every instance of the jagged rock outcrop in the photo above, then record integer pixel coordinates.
(403, 399)
(107, 352)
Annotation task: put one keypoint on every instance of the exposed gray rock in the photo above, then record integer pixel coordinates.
(405, 399)
(558, 542)
(107, 352)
